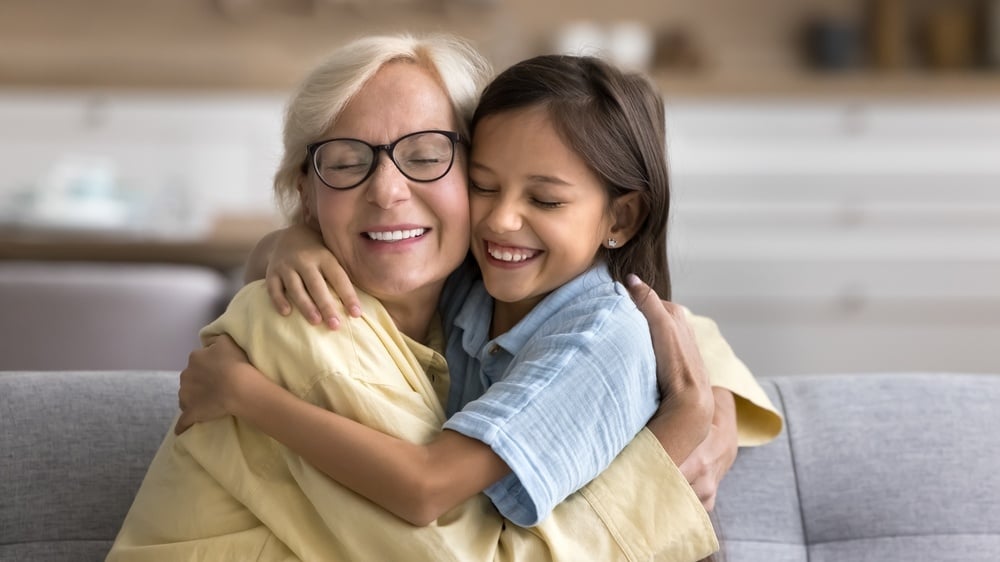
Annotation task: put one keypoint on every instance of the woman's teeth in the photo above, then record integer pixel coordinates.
(396, 235)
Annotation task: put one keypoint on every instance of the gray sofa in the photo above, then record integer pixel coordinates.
(104, 316)
(871, 467)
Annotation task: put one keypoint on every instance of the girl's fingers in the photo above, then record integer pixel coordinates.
(341, 283)
(295, 290)
(322, 297)
(276, 290)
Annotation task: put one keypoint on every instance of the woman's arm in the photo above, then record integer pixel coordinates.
(297, 266)
(681, 421)
(418, 483)
(708, 464)
(743, 415)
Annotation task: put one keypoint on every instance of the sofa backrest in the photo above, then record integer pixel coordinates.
(101, 316)
(870, 467)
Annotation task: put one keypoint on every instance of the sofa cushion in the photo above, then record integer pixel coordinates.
(75, 447)
(882, 467)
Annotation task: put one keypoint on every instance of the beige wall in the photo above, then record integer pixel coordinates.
(268, 44)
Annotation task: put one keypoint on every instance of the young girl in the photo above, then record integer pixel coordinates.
(551, 363)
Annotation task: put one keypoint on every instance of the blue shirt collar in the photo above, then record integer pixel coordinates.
(477, 312)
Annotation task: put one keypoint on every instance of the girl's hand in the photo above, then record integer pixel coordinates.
(301, 268)
(208, 383)
(684, 416)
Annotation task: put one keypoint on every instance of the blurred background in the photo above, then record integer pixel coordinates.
(836, 163)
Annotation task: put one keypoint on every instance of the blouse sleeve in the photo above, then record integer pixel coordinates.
(758, 421)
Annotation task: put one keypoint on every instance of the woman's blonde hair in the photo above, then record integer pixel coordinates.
(320, 98)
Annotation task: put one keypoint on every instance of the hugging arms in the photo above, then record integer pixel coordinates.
(322, 394)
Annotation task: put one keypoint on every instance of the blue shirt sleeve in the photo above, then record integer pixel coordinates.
(571, 400)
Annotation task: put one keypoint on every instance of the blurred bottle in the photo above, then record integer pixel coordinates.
(993, 34)
(888, 33)
(580, 38)
(631, 45)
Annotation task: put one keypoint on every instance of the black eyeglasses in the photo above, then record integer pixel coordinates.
(423, 156)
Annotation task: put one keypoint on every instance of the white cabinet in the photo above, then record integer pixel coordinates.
(832, 236)
(180, 159)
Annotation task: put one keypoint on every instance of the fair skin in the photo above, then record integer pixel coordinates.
(417, 482)
(539, 214)
(406, 275)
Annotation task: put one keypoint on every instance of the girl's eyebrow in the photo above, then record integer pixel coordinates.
(533, 178)
(547, 179)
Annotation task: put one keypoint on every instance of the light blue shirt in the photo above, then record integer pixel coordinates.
(559, 395)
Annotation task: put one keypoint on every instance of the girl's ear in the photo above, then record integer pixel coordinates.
(628, 212)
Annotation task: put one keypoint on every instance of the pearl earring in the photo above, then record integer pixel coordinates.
(612, 243)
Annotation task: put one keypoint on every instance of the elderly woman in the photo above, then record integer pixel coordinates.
(225, 490)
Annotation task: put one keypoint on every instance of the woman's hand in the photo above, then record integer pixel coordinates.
(683, 419)
(711, 460)
(207, 386)
(300, 268)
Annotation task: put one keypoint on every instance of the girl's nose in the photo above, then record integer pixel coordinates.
(503, 216)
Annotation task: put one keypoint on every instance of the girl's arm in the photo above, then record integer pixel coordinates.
(296, 265)
(418, 483)
(303, 255)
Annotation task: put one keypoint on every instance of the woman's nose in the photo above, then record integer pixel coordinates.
(387, 186)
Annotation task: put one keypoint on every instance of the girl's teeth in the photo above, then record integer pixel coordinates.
(509, 255)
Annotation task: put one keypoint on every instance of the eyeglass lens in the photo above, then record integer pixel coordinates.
(421, 157)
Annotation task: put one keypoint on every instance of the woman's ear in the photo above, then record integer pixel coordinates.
(628, 212)
(305, 202)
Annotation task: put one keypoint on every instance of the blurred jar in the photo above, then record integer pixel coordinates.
(629, 45)
(833, 44)
(949, 37)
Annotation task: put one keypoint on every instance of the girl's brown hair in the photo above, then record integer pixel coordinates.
(615, 122)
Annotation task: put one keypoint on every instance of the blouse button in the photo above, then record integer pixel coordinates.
(495, 349)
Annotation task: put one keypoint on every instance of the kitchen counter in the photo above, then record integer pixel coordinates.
(225, 247)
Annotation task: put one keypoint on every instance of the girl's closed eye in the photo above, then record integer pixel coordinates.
(545, 204)
(480, 189)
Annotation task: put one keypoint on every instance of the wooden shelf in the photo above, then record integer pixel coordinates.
(218, 254)
(856, 84)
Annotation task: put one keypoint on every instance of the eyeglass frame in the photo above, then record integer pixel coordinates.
(313, 148)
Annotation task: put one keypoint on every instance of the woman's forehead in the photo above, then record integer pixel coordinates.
(400, 98)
